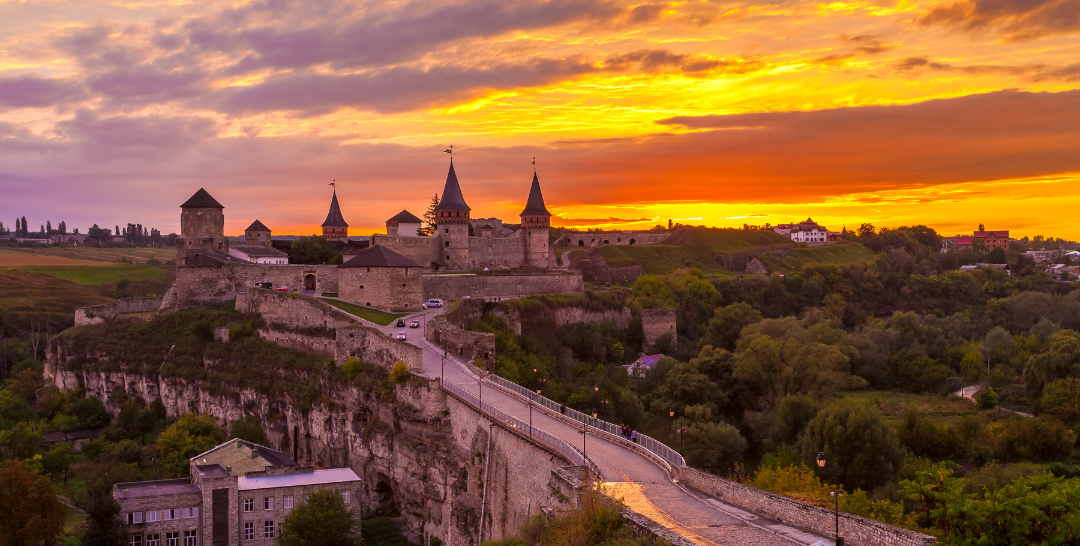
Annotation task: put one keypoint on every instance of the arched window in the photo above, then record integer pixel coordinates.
(361, 287)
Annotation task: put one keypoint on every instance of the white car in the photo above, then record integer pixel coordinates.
(434, 302)
(401, 336)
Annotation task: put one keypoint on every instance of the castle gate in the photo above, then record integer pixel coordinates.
(309, 281)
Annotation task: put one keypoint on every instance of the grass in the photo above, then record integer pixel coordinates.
(382, 318)
(97, 275)
(14, 258)
(840, 253)
(117, 254)
(932, 406)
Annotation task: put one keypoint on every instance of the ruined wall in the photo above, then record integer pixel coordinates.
(656, 323)
(222, 282)
(595, 267)
(99, 313)
(561, 316)
(460, 342)
(387, 288)
(855, 529)
(452, 286)
(419, 450)
(597, 238)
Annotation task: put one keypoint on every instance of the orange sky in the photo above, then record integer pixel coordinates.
(944, 113)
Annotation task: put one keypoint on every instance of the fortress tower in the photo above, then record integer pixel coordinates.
(536, 221)
(452, 222)
(257, 234)
(202, 226)
(335, 227)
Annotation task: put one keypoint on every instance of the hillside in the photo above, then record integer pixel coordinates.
(706, 248)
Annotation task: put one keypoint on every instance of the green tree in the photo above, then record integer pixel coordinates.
(249, 428)
(323, 520)
(861, 450)
(428, 228)
(32, 514)
(727, 323)
(189, 436)
(1060, 360)
(711, 446)
(312, 250)
(102, 511)
(1061, 399)
(778, 368)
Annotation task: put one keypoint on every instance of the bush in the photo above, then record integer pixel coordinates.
(986, 398)
(351, 367)
(1028, 439)
(399, 373)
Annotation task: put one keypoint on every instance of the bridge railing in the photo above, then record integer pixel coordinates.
(651, 445)
(571, 453)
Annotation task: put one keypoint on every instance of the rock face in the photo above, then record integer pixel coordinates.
(419, 451)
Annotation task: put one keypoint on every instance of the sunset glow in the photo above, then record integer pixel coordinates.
(946, 113)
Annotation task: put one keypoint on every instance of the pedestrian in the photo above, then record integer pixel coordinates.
(633, 435)
(562, 409)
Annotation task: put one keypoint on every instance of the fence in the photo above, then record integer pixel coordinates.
(571, 453)
(651, 445)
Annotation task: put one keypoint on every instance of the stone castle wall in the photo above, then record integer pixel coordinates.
(571, 314)
(452, 286)
(595, 267)
(597, 238)
(422, 250)
(460, 342)
(656, 323)
(388, 288)
(496, 252)
(100, 313)
(855, 529)
(222, 282)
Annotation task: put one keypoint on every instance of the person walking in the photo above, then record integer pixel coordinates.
(633, 436)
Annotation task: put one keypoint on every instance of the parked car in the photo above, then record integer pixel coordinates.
(434, 302)
(464, 297)
(414, 324)
(401, 336)
(400, 323)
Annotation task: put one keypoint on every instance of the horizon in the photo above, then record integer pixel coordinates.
(941, 113)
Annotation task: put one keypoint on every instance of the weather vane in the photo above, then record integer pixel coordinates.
(450, 151)
(334, 183)
(534, 164)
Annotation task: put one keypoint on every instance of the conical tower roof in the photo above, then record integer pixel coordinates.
(535, 205)
(202, 199)
(257, 226)
(451, 194)
(334, 217)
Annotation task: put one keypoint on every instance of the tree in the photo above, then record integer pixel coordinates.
(32, 514)
(715, 447)
(727, 323)
(189, 436)
(249, 428)
(312, 250)
(324, 520)
(776, 368)
(1061, 399)
(861, 450)
(102, 511)
(429, 227)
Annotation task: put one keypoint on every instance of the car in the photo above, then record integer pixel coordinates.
(414, 324)
(401, 336)
(434, 302)
(464, 297)
(400, 323)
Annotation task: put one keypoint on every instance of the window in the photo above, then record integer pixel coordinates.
(191, 538)
(172, 539)
(188, 513)
(153, 540)
(153, 515)
(345, 495)
(288, 502)
(268, 529)
(134, 517)
(170, 513)
(249, 530)
(448, 230)
(447, 243)
(135, 540)
(249, 505)
(268, 503)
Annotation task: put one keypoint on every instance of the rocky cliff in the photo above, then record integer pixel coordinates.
(419, 452)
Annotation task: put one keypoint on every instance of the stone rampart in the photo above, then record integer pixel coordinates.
(462, 343)
(452, 286)
(223, 282)
(295, 310)
(855, 529)
(656, 323)
(561, 316)
(422, 250)
(321, 340)
(100, 313)
(496, 252)
(597, 238)
(595, 267)
(371, 345)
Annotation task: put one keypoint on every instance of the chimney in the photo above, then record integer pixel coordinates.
(254, 452)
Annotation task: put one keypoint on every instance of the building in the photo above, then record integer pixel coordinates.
(335, 227)
(381, 278)
(202, 229)
(992, 239)
(808, 231)
(74, 438)
(638, 368)
(257, 234)
(259, 254)
(1041, 256)
(237, 494)
(404, 223)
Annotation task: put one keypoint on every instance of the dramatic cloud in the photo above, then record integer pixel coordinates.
(915, 66)
(1016, 20)
(107, 139)
(31, 92)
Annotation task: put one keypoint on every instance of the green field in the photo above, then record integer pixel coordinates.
(840, 253)
(117, 254)
(381, 318)
(100, 275)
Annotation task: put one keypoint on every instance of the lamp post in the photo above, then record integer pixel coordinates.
(681, 431)
(530, 418)
(442, 370)
(583, 434)
(671, 412)
(836, 494)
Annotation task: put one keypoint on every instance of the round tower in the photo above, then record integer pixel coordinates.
(452, 222)
(536, 221)
(202, 226)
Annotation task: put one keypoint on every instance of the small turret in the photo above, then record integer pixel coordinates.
(536, 221)
(257, 234)
(335, 226)
(452, 222)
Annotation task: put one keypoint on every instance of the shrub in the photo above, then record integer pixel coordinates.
(351, 367)
(399, 373)
(986, 398)
(1032, 439)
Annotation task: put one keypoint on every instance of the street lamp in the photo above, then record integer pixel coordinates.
(596, 388)
(442, 370)
(583, 434)
(530, 418)
(671, 412)
(594, 414)
(681, 431)
(821, 464)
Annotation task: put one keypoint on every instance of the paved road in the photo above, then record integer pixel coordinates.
(644, 486)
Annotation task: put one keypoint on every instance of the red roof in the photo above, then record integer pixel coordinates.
(984, 234)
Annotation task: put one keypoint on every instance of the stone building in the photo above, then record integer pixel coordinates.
(237, 494)
(202, 228)
(257, 234)
(495, 247)
(381, 278)
(404, 223)
(597, 238)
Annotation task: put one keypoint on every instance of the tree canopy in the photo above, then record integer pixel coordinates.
(322, 520)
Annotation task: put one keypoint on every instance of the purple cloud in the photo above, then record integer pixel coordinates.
(105, 139)
(32, 92)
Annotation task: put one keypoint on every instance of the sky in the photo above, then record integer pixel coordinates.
(945, 113)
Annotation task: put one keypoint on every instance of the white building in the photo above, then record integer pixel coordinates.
(259, 254)
(809, 232)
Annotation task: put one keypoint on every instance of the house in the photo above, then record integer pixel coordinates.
(1002, 267)
(1064, 272)
(1041, 256)
(809, 232)
(381, 278)
(259, 254)
(992, 239)
(638, 368)
(75, 438)
(237, 494)
(403, 223)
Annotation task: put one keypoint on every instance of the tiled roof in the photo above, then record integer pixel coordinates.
(379, 256)
(451, 195)
(154, 488)
(334, 217)
(257, 226)
(259, 251)
(317, 477)
(270, 455)
(202, 199)
(405, 217)
(535, 205)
